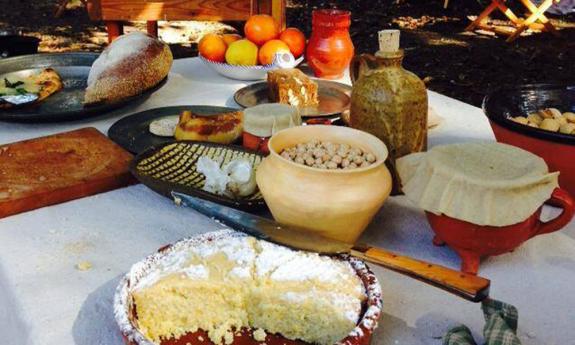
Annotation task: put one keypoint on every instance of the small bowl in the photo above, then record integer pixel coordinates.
(126, 318)
(335, 203)
(472, 242)
(557, 149)
(251, 72)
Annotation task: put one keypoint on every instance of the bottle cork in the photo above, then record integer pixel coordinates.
(388, 41)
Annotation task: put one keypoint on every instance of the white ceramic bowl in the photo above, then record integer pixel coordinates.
(258, 72)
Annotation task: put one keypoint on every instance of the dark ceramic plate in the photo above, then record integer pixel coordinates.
(334, 97)
(172, 167)
(503, 104)
(66, 104)
(132, 132)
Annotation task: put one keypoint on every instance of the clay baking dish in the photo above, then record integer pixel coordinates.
(557, 149)
(124, 309)
(472, 242)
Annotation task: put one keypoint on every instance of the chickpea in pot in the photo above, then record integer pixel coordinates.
(328, 155)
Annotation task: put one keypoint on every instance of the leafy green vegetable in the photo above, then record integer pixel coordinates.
(21, 91)
(12, 85)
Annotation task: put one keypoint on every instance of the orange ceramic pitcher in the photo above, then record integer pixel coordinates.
(330, 48)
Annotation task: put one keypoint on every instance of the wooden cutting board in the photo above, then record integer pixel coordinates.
(58, 168)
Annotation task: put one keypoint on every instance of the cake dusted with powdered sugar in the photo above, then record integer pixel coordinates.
(234, 282)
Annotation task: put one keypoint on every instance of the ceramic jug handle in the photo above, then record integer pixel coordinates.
(359, 64)
(559, 198)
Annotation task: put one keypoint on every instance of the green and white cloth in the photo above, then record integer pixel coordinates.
(500, 326)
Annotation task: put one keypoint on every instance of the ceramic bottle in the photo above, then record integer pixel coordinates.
(389, 101)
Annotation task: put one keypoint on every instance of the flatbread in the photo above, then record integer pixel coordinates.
(482, 183)
(44, 84)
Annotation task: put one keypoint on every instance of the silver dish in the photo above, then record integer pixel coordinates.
(334, 98)
(66, 104)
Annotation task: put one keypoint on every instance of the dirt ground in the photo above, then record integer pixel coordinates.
(459, 64)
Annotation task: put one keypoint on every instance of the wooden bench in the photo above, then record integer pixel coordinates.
(115, 12)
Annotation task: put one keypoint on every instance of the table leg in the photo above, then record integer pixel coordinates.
(61, 8)
(542, 18)
(507, 12)
(531, 19)
(486, 12)
(115, 29)
(152, 27)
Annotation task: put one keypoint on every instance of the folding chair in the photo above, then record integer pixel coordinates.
(537, 15)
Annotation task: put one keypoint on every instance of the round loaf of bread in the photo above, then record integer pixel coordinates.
(130, 65)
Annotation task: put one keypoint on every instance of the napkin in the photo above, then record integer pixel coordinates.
(500, 326)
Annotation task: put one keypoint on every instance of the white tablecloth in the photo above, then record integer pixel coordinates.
(45, 300)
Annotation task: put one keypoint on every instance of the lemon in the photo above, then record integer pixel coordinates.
(242, 52)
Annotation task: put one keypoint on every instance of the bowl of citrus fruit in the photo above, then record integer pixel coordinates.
(264, 48)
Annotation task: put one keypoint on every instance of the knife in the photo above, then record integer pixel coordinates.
(465, 285)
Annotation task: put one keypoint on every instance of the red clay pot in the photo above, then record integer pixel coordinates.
(557, 149)
(472, 242)
(253, 142)
(318, 121)
(558, 156)
(330, 49)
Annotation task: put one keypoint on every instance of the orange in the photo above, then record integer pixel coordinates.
(230, 38)
(295, 39)
(213, 47)
(269, 50)
(261, 28)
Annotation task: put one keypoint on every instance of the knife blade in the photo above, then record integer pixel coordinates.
(263, 228)
(467, 286)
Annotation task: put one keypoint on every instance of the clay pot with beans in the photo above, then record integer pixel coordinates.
(335, 201)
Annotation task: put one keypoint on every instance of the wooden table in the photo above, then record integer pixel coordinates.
(45, 300)
(115, 12)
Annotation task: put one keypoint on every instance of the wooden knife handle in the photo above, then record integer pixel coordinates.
(468, 286)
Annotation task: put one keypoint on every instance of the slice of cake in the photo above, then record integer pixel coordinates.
(222, 128)
(234, 283)
(291, 86)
